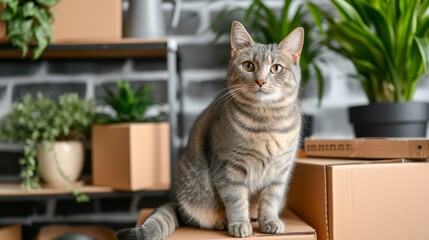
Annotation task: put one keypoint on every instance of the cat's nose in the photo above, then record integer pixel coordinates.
(260, 82)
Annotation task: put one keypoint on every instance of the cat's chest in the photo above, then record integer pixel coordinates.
(261, 174)
(271, 145)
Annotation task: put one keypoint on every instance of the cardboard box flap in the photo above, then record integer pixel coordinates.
(368, 148)
(338, 161)
(327, 162)
(295, 229)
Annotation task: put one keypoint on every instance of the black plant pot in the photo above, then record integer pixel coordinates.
(306, 128)
(407, 119)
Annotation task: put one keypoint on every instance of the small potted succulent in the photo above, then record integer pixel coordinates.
(29, 24)
(388, 44)
(53, 131)
(130, 151)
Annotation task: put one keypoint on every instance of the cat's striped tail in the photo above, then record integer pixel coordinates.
(157, 226)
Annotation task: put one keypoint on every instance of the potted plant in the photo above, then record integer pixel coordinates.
(29, 24)
(388, 44)
(130, 151)
(52, 131)
(270, 27)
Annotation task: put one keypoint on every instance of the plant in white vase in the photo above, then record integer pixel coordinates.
(53, 131)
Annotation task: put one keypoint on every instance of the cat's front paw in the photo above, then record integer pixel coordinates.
(275, 226)
(241, 229)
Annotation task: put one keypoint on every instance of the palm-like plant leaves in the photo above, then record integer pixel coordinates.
(386, 40)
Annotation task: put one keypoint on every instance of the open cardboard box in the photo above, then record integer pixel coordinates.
(12, 232)
(295, 229)
(87, 20)
(356, 199)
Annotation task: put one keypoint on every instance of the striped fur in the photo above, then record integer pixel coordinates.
(241, 149)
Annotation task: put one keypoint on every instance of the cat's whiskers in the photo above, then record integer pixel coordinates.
(223, 89)
(290, 100)
(228, 95)
(234, 95)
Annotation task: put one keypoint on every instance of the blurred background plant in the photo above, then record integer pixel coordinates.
(386, 40)
(266, 26)
(29, 24)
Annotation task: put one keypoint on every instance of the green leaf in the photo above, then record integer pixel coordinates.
(48, 3)
(28, 10)
(7, 14)
(423, 45)
(316, 14)
(285, 28)
(347, 12)
(320, 84)
(42, 40)
(382, 27)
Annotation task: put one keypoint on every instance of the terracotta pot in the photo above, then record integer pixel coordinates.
(65, 156)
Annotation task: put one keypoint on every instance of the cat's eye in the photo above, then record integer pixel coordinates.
(276, 69)
(248, 66)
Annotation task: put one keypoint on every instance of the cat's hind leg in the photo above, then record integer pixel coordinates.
(203, 216)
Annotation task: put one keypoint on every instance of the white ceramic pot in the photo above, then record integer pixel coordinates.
(65, 156)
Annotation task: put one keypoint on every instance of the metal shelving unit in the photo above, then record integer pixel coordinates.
(127, 48)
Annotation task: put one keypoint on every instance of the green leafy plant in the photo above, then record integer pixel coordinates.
(44, 120)
(267, 27)
(386, 40)
(130, 105)
(29, 23)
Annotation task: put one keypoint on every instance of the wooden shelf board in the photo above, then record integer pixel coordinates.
(13, 189)
(116, 48)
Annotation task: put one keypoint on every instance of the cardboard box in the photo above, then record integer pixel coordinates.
(131, 157)
(13, 232)
(351, 199)
(295, 229)
(368, 148)
(87, 20)
(51, 232)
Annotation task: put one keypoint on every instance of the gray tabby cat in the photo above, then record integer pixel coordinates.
(241, 149)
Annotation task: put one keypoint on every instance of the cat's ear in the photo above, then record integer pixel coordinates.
(239, 38)
(292, 44)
